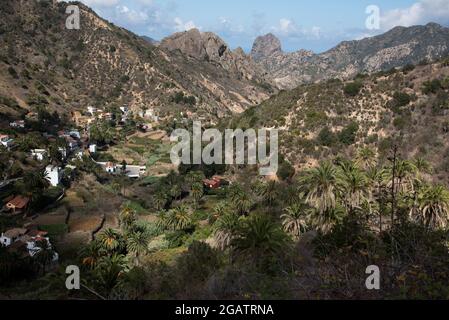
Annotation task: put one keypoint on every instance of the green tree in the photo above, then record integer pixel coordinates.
(137, 240)
(226, 229)
(321, 185)
(294, 220)
(366, 158)
(259, 238)
(111, 240)
(433, 210)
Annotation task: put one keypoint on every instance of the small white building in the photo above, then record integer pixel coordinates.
(91, 110)
(75, 134)
(17, 124)
(6, 141)
(53, 175)
(110, 167)
(124, 109)
(39, 154)
(93, 148)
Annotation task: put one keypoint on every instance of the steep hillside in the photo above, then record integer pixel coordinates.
(317, 121)
(396, 48)
(43, 63)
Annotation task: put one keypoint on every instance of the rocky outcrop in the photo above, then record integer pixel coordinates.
(208, 47)
(265, 47)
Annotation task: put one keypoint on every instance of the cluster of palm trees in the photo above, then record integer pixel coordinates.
(401, 190)
(363, 189)
(115, 252)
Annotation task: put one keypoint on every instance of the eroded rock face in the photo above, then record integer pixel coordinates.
(207, 46)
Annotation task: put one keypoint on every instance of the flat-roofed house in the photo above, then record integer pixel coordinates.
(39, 154)
(17, 124)
(6, 141)
(53, 175)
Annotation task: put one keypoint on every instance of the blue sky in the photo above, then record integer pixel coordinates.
(316, 25)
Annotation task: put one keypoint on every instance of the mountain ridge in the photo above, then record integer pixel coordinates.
(394, 48)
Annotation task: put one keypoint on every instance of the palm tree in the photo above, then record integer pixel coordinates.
(268, 191)
(178, 218)
(354, 185)
(326, 220)
(111, 240)
(220, 209)
(127, 217)
(92, 253)
(259, 238)
(322, 185)
(433, 207)
(197, 192)
(45, 254)
(137, 242)
(366, 158)
(36, 181)
(225, 230)
(194, 177)
(109, 270)
(160, 200)
(294, 220)
(175, 192)
(243, 203)
(423, 167)
(405, 174)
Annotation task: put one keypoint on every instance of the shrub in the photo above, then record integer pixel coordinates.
(431, 86)
(326, 137)
(408, 68)
(347, 135)
(353, 88)
(13, 72)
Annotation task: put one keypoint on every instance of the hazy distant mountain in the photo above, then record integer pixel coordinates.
(151, 40)
(395, 48)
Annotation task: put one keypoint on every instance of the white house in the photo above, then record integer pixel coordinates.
(93, 148)
(6, 141)
(39, 154)
(17, 124)
(31, 240)
(10, 236)
(33, 248)
(111, 167)
(124, 109)
(91, 110)
(75, 134)
(53, 175)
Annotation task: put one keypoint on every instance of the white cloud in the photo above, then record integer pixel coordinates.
(132, 16)
(183, 26)
(289, 28)
(421, 12)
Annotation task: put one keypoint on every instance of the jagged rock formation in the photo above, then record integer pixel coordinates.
(396, 48)
(208, 47)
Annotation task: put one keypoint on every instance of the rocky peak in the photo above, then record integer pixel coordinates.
(201, 46)
(266, 46)
(207, 46)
